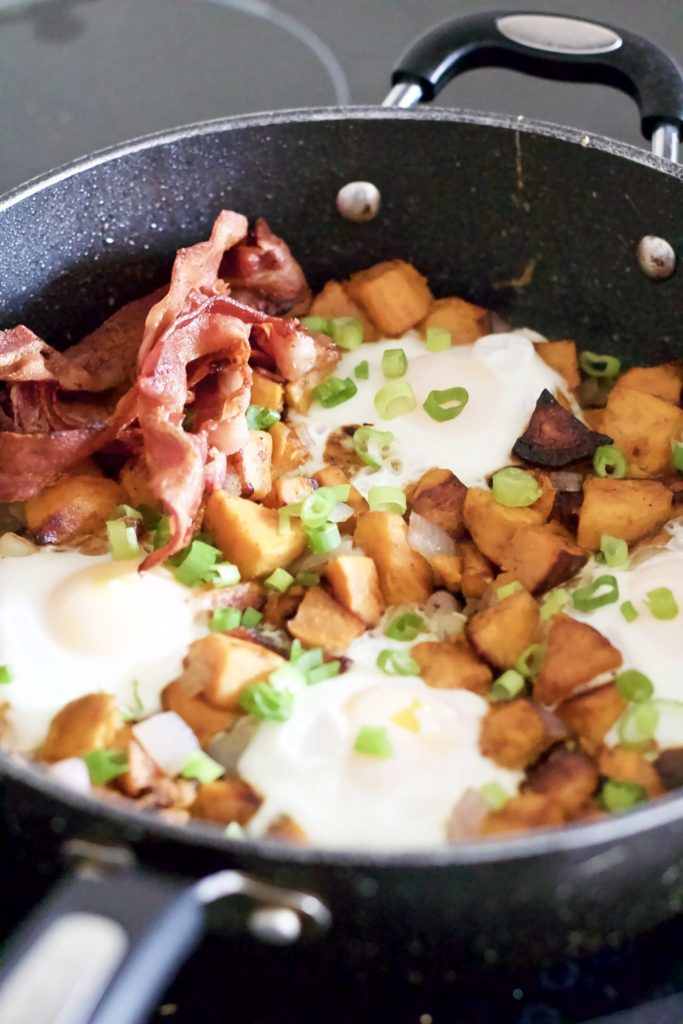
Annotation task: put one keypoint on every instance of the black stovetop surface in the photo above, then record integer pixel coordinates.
(77, 75)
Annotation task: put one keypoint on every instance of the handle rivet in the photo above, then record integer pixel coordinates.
(359, 201)
(276, 926)
(656, 257)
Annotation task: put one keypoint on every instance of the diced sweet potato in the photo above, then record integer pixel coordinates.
(663, 381)
(288, 451)
(594, 418)
(204, 720)
(447, 571)
(513, 733)
(250, 536)
(477, 571)
(393, 294)
(555, 437)
(568, 777)
(575, 654)
(334, 301)
(452, 666)
(405, 577)
(643, 427)
(71, 508)
(226, 800)
(253, 464)
(333, 476)
(289, 490)
(629, 766)
(85, 724)
(542, 557)
(299, 392)
(669, 767)
(629, 509)
(592, 714)
(266, 392)
(502, 632)
(439, 497)
(524, 812)
(492, 525)
(286, 829)
(219, 666)
(355, 584)
(465, 321)
(561, 357)
(320, 621)
(280, 608)
(143, 772)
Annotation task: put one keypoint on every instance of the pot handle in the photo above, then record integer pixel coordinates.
(103, 945)
(548, 46)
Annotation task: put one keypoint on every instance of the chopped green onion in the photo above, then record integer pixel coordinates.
(196, 563)
(530, 661)
(628, 611)
(620, 795)
(677, 456)
(251, 618)
(395, 399)
(370, 445)
(105, 765)
(613, 551)
(189, 418)
(123, 540)
(515, 488)
(362, 371)
(316, 508)
(225, 619)
(494, 795)
(234, 831)
(554, 602)
(316, 323)
(394, 363)
(662, 603)
(347, 332)
(307, 579)
(265, 702)
(322, 539)
(397, 663)
(327, 670)
(603, 590)
(222, 574)
(201, 767)
(6, 674)
(446, 404)
(508, 589)
(507, 685)
(305, 658)
(162, 532)
(334, 391)
(437, 339)
(288, 677)
(387, 499)
(374, 741)
(609, 461)
(280, 580)
(137, 709)
(638, 723)
(598, 365)
(405, 627)
(634, 686)
(125, 512)
(260, 417)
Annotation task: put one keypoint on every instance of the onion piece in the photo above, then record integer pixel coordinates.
(566, 480)
(466, 817)
(311, 561)
(554, 726)
(227, 747)
(14, 546)
(340, 513)
(427, 538)
(167, 739)
(72, 773)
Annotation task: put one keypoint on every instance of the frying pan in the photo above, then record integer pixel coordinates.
(572, 233)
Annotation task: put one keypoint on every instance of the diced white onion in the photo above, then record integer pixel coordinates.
(340, 513)
(168, 740)
(312, 562)
(72, 772)
(14, 546)
(427, 538)
(441, 601)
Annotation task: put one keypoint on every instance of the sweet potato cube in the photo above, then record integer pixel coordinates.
(465, 321)
(85, 724)
(288, 451)
(320, 621)
(204, 719)
(569, 777)
(561, 357)
(452, 666)
(513, 734)
(286, 829)
(219, 666)
(289, 490)
(447, 571)
(300, 392)
(477, 571)
(439, 497)
(333, 476)
(492, 525)
(663, 381)
(334, 301)
(542, 557)
(502, 632)
(628, 509)
(669, 766)
(522, 813)
(405, 577)
(250, 536)
(393, 294)
(643, 427)
(226, 800)
(555, 437)
(592, 714)
(629, 766)
(280, 608)
(266, 392)
(575, 654)
(355, 584)
(253, 464)
(143, 772)
(73, 507)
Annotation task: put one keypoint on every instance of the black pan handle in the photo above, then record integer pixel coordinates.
(548, 46)
(103, 946)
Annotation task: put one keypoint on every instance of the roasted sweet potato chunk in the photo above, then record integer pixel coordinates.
(592, 714)
(502, 632)
(555, 437)
(492, 525)
(569, 777)
(286, 829)
(226, 800)
(204, 720)
(513, 734)
(332, 476)
(465, 321)
(404, 575)
(663, 381)
(355, 584)
(561, 357)
(253, 464)
(288, 452)
(542, 557)
(393, 294)
(334, 301)
(249, 534)
(643, 427)
(439, 497)
(320, 621)
(628, 509)
(85, 724)
(447, 571)
(629, 766)
(219, 666)
(73, 507)
(669, 767)
(289, 490)
(575, 654)
(477, 570)
(266, 392)
(447, 665)
(524, 812)
(300, 392)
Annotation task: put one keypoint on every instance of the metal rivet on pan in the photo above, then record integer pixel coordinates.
(276, 926)
(656, 257)
(359, 201)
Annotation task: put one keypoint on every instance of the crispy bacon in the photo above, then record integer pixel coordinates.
(262, 273)
(30, 461)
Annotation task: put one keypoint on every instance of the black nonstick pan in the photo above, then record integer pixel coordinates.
(572, 233)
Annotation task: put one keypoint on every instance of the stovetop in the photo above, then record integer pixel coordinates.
(78, 75)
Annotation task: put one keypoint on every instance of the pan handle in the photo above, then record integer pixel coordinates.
(548, 46)
(103, 945)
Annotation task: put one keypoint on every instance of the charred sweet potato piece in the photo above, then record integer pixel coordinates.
(71, 508)
(542, 557)
(569, 777)
(477, 570)
(226, 800)
(85, 724)
(669, 767)
(629, 766)
(447, 571)
(513, 733)
(524, 812)
(452, 666)
(575, 654)
(253, 465)
(643, 427)
(143, 772)
(334, 301)
(561, 356)
(280, 608)
(439, 497)
(289, 490)
(205, 720)
(493, 526)
(299, 392)
(555, 437)
(393, 294)
(592, 714)
(663, 381)
(266, 392)
(355, 584)
(249, 534)
(465, 321)
(288, 452)
(320, 621)
(502, 632)
(629, 509)
(219, 666)
(286, 829)
(404, 575)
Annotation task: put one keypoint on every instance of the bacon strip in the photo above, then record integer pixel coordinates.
(262, 273)
(30, 461)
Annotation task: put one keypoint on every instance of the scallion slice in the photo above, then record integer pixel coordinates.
(307, 579)
(437, 339)
(530, 661)
(105, 765)
(609, 461)
(446, 404)
(397, 663)
(290, 677)
(508, 589)
(316, 508)
(634, 686)
(620, 795)
(554, 602)
(327, 670)
(316, 323)
(322, 539)
(265, 702)
(196, 563)
(507, 686)
(250, 618)
(515, 488)
(334, 391)
(224, 619)
(395, 399)
(662, 603)
(201, 767)
(305, 658)
(603, 590)
(347, 332)
(638, 723)
(280, 580)
(234, 831)
(677, 455)
(123, 540)
(260, 417)
(374, 741)
(597, 365)
(371, 445)
(387, 499)
(125, 512)
(222, 574)
(6, 674)
(405, 627)
(628, 611)
(613, 551)
(362, 371)
(394, 363)
(493, 794)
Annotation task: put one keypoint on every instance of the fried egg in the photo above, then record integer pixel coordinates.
(72, 624)
(503, 375)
